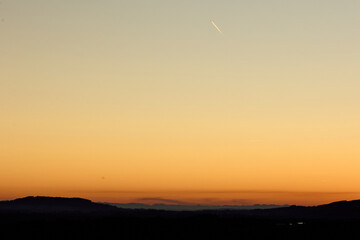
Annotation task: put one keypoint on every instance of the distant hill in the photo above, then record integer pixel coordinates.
(169, 207)
(53, 204)
(39, 204)
(335, 210)
(346, 204)
(77, 218)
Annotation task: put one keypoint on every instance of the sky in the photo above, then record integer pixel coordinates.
(146, 101)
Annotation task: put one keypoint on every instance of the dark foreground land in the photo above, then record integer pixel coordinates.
(75, 218)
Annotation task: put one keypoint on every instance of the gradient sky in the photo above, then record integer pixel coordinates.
(137, 100)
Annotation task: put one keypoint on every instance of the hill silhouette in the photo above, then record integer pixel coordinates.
(344, 204)
(41, 204)
(53, 204)
(179, 207)
(77, 218)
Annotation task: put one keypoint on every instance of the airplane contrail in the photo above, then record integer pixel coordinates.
(217, 28)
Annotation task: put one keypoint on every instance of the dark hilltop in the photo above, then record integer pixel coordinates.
(53, 204)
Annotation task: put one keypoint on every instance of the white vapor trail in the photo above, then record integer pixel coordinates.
(212, 22)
